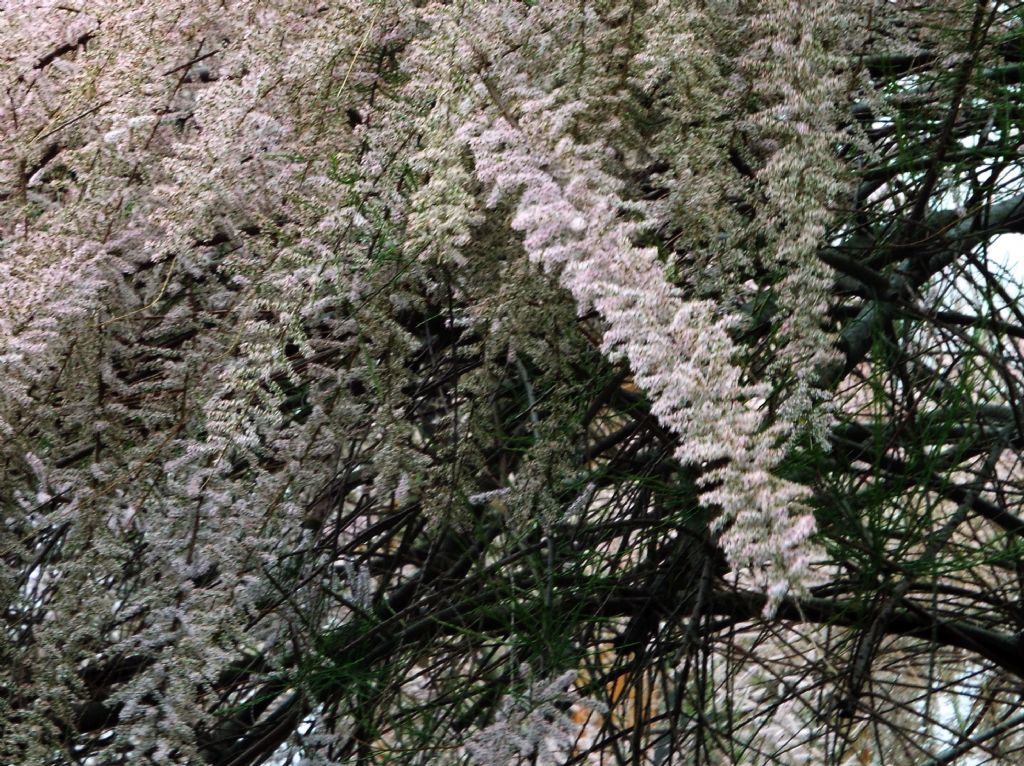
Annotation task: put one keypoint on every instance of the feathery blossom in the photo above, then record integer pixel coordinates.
(531, 138)
(533, 726)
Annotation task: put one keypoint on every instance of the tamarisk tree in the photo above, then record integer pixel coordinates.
(509, 381)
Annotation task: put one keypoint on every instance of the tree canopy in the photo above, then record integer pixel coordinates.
(511, 382)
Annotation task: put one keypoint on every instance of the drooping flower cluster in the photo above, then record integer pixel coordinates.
(535, 124)
(533, 726)
(169, 225)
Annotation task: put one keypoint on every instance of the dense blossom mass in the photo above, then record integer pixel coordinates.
(383, 382)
